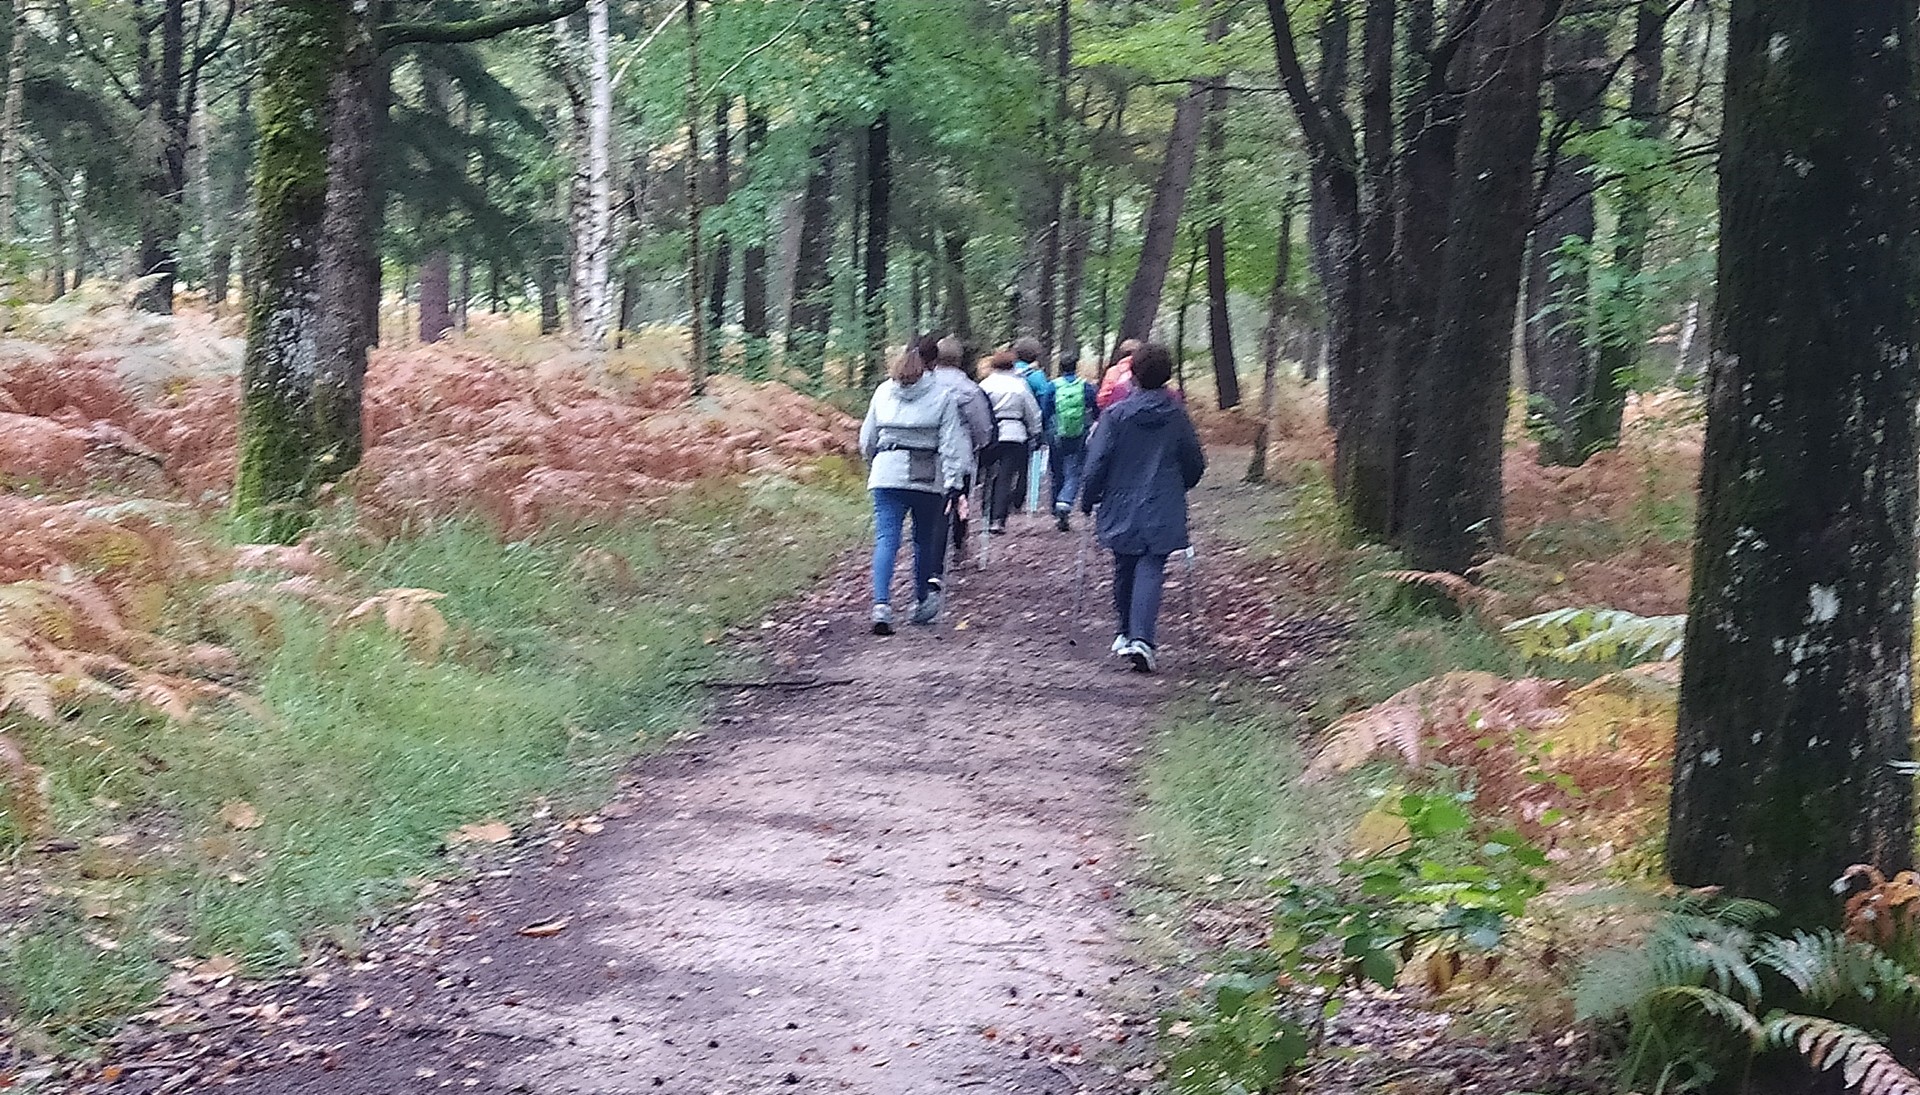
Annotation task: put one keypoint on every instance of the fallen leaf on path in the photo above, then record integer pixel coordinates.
(240, 814)
(117, 840)
(544, 929)
(481, 832)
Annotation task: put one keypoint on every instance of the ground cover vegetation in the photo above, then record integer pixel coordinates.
(376, 373)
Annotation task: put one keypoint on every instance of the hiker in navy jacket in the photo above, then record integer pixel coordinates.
(1141, 463)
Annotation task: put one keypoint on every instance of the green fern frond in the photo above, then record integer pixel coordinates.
(1865, 1064)
(1827, 968)
(1714, 1004)
(1597, 635)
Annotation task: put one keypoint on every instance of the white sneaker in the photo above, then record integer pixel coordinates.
(883, 619)
(1120, 645)
(1142, 656)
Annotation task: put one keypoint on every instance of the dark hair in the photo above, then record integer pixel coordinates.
(1002, 360)
(1070, 363)
(928, 347)
(1152, 366)
(1027, 349)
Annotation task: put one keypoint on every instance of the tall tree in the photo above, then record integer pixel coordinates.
(1562, 371)
(810, 312)
(697, 330)
(1226, 380)
(11, 118)
(879, 163)
(753, 258)
(1795, 698)
(1453, 509)
(1160, 233)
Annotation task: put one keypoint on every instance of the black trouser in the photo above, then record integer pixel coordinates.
(953, 531)
(1005, 471)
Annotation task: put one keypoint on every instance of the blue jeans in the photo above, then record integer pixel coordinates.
(890, 508)
(1069, 462)
(1137, 580)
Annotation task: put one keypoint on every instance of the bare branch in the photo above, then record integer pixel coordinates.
(475, 30)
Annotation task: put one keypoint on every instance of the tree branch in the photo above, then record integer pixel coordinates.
(1324, 138)
(475, 30)
(136, 101)
(205, 52)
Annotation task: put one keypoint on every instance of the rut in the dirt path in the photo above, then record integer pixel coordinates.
(912, 882)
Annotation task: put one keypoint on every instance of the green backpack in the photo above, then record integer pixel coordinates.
(1069, 407)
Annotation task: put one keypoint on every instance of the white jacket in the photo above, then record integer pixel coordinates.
(1016, 414)
(922, 417)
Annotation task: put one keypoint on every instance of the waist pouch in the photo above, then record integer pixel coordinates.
(923, 465)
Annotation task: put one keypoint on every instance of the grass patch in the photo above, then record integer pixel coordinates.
(555, 676)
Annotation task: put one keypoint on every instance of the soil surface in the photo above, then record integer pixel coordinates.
(907, 875)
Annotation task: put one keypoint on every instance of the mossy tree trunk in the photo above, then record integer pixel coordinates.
(304, 42)
(810, 312)
(1453, 504)
(1795, 699)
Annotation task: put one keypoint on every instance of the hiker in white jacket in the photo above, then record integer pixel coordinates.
(918, 450)
(1017, 426)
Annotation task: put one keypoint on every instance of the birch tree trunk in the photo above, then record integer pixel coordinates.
(597, 247)
(696, 286)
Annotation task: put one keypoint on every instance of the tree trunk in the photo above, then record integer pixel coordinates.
(1598, 426)
(697, 329)
(547, 274)
(1219, 322)
(753, 262)
(721, 269)
(12, 121)
(1270, 348)
(436, 296)
(1795, 693)
(1052, 305)
(1106, 281)
(1454, 508)
(1073, 262)
(810, 312)
(220, 262)
(1162, 228)
(163, 182)
(1561, 370)
(349, 258)
(303, 45)
(959, 319)
(595, 291)
(873, 266)
(1180, 317)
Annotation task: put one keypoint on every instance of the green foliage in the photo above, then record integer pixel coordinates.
(1447, 886)
(1704, 993)
(1597, 635)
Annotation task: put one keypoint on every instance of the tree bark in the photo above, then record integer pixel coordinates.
(1454, 507)
(349, 322)
(721, 269)
(1160, 233)
(753, 262)
(303, 43)
(1795, 697)
(1562, 373)
(436, 296)
(810, 312)
(959, 318)
(873, 266)
(1270, 348)
(163, 182)
(697, 329)
(1226, 380)
(220, 263)
(1073, 264)
(1052, 305)
(11, 120)
(596, 290)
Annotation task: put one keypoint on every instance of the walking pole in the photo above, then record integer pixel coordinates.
(1191, 615)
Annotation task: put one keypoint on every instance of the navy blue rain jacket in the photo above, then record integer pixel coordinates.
(1144, 458)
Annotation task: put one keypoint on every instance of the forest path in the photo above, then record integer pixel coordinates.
(912, 880)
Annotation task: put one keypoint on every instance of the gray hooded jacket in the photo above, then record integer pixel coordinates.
(914, 438)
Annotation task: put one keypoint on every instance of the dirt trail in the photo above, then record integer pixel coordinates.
(913, 881)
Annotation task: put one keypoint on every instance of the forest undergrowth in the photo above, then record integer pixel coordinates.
(1380, 856)
(219, 755)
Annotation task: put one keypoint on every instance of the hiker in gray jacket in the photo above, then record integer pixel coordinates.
(946, 356)
(918, 449)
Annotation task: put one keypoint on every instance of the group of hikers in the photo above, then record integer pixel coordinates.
(1123, 448)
